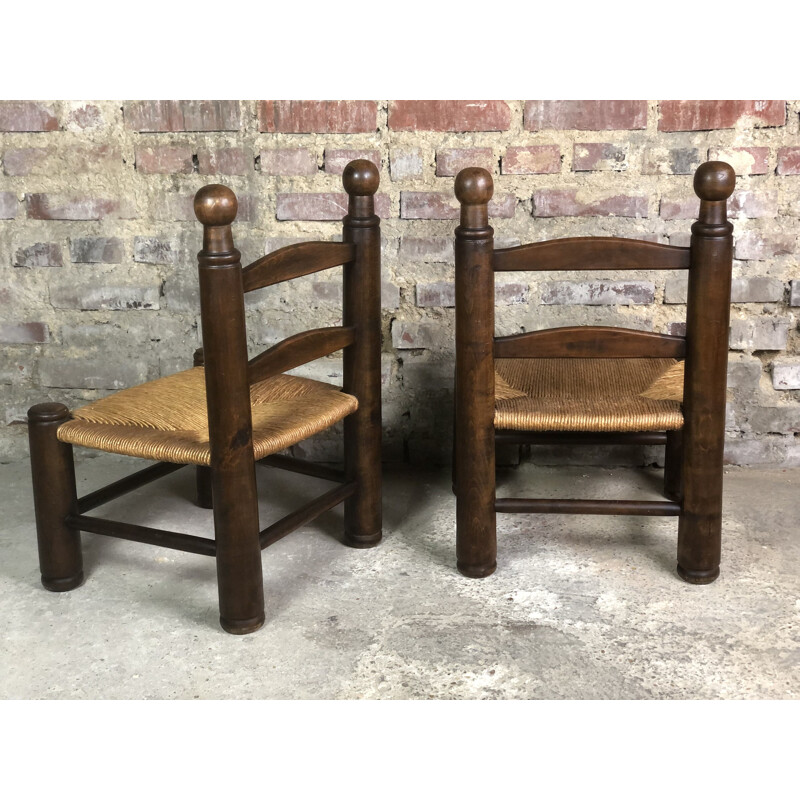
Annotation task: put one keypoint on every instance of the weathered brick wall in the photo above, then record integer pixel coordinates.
(98, 238)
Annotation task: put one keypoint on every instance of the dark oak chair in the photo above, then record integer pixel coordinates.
(594, 384)
(230, 413)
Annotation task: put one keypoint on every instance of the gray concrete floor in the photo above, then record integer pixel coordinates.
(580, 607)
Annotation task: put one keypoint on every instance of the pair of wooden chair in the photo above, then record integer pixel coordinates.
(228, 414)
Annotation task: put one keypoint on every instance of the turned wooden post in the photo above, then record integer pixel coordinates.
(672, 465)
(476, 538)
(707, 321)
(54, 499)
(362, 359)
(241, 591)
(202, 474)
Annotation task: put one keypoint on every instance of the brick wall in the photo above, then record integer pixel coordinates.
(98, 238)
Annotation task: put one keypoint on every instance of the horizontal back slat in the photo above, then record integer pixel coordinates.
(590, 253)
(294, 261)
(589, 342)
(298, 349)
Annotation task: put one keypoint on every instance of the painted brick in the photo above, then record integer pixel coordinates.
(172, 207)
(449, 115)
(91, 372)
(585, 115)
(436, 295)
(48, 206)
(671, 160)
(312, 116)
(510, 294)
(744, 372)
(676, 288)
(327, 292)
(405, 163)
(84, 116)
(794, 293)
(760, 333)
(451, 161)
(709, 115)
(27, 115)
(105, 298)
(9, 205)
(96, 250)
(164, 159)
(443, 205)
(225, 161)
(755, 246)
(744, 160)
(155, 250)
(745, 203)
(419, 335)
(41, 254)
(24, 333)
(775, 419)
(789, 161)
(337, 160)
(533, 160)
(24, 161)
(598, 293)
(752, 451)
(432, 249)
(786, 375)
(390, 295)
(756, 290)
(322, 206)
(676, 329)
(163, 116)
(573, 203)
(295, 161)
(680, 239)
(599, 156)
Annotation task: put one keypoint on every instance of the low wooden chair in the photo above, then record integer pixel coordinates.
(231, 413)
(594, 384)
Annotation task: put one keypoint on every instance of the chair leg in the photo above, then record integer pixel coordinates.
(54, 499)
(362, 456)
(239, 576)
(672, 465)
(203, 482)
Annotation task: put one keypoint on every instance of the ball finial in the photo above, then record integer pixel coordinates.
(360, 177)
(714, 180)
(474, 186)
(215, 205)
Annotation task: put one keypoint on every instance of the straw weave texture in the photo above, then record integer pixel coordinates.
(166, 419)
(668, 386)
(583, 394)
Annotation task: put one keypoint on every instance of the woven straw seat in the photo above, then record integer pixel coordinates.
(582, 394)
(166, 419)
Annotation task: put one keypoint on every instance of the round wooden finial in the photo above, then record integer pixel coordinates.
(474, 186)
(215, 204)
(360, 178)
(714, 180)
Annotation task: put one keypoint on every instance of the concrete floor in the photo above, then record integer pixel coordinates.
(580, 607)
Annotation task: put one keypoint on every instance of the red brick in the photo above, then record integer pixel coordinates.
(40, 254)
(535, 160)
(295, 161)
(754, 246)
(161, 116)
(744, 160)
(24, 333)
(599, 156)
(85, 116)
(585, 115)
(745, 203)
(337, 160)
(679, 208)
(709, 115)
(789, 161)
(449, 115)
(443, 205)
(436, 249)
(670, 160)
(48, 206)
(322, 206)
(451, 161)
(164, 159)
(566, 203)
(27, 115)
(173, 207)
(317, 116)
(23, 161)
(225, 161)
(436, 295)
(9, 205)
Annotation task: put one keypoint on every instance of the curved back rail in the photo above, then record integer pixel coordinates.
(590, 253)
(294, 261)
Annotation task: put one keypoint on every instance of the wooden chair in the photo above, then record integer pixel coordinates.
(586, 384)
(232, 413)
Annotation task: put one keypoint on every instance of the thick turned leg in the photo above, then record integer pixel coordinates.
(54, 499)
(239, 577)
(476, 527)
(203, 481)
(362, 510)
(672, 465)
